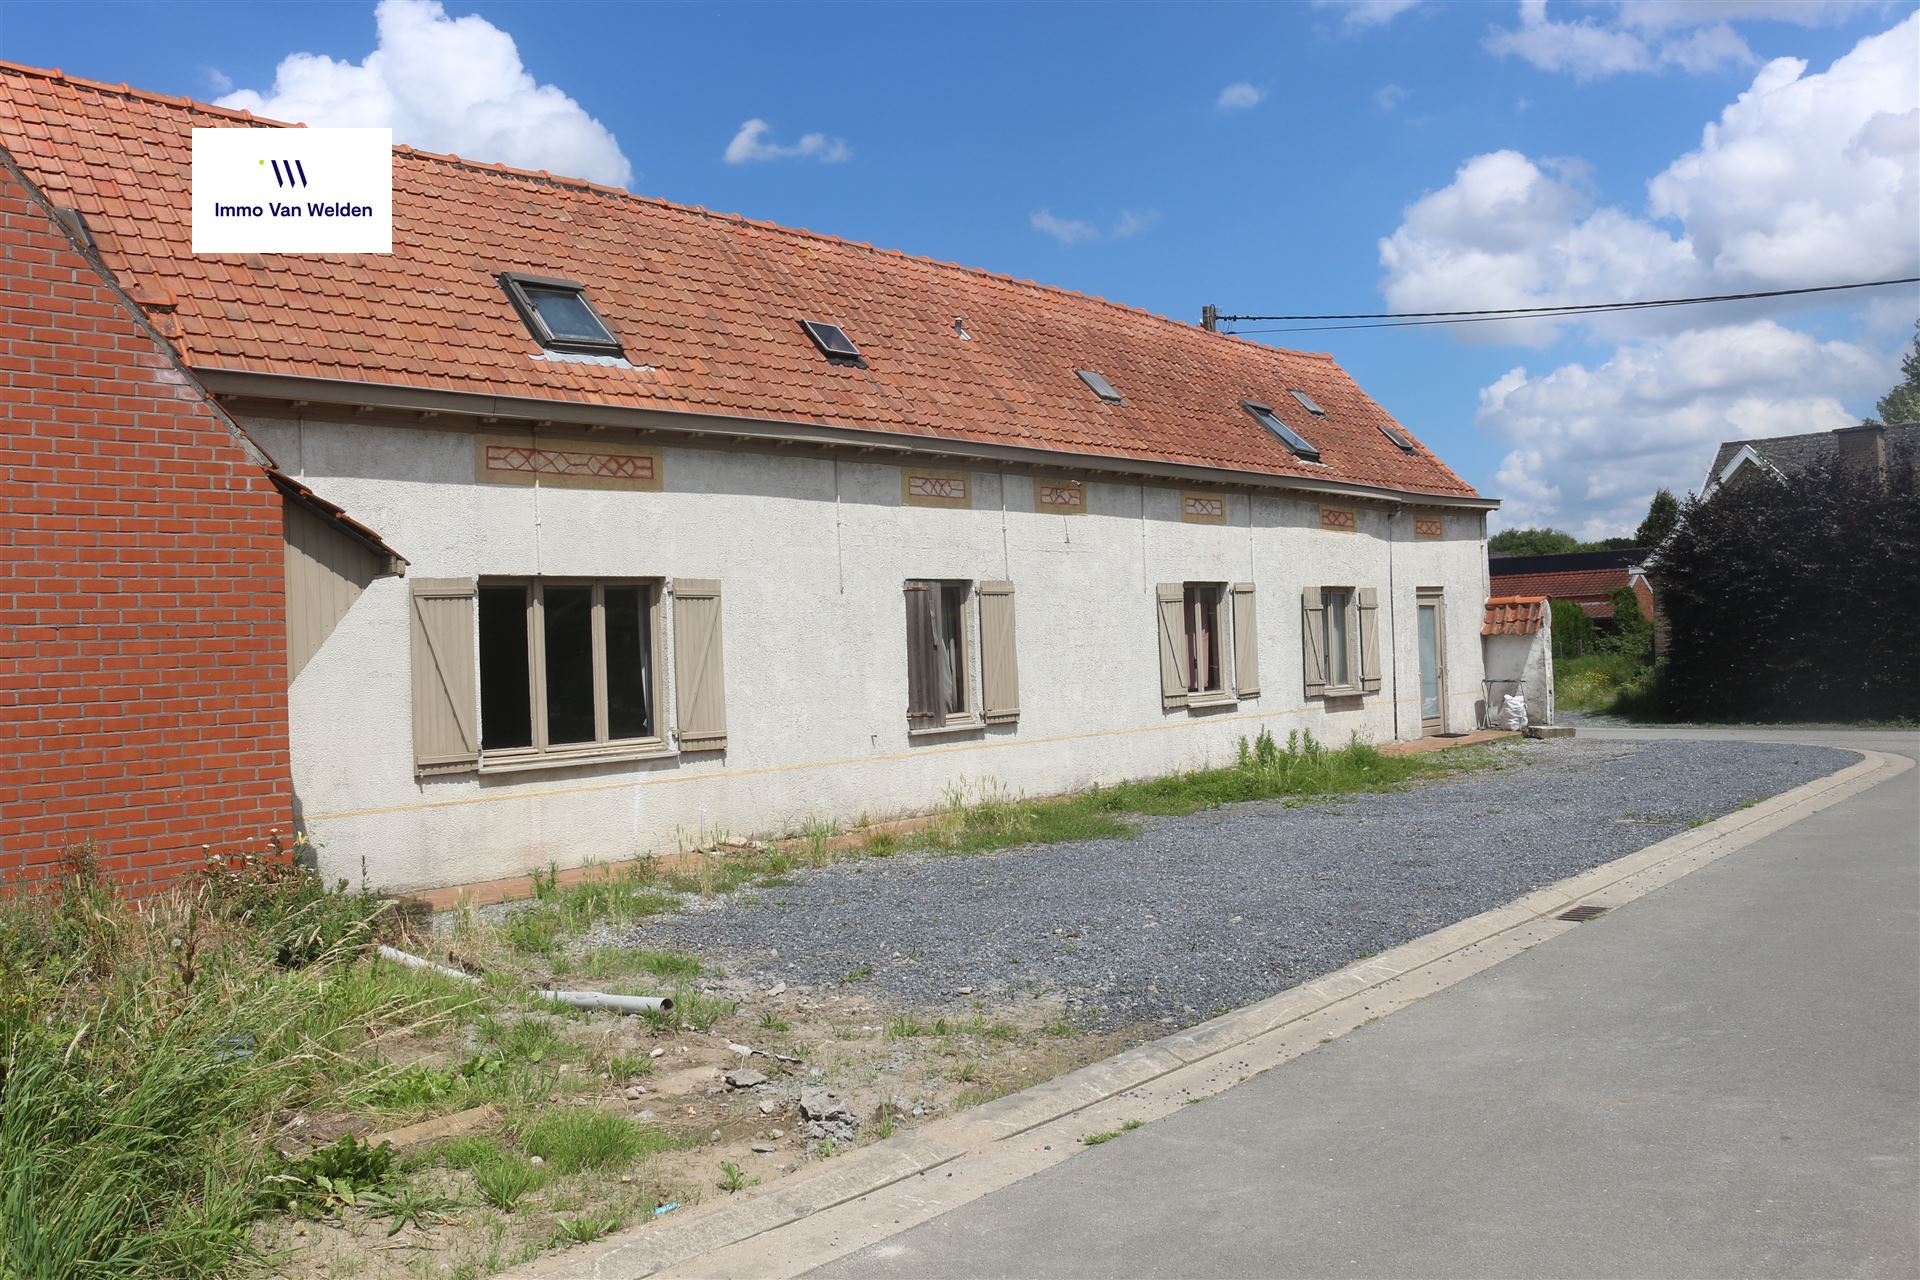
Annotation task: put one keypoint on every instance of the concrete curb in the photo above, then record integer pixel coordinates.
(877, 1191)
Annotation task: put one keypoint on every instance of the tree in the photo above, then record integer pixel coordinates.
(1632, 630)
(1902, 404)
(1662, 515)
(1797, 601)
(1532, 542)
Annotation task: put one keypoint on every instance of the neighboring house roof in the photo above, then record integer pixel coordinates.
(708, 307)
(1590, 589)
(1514, 616)
(1588, 578)
(336, 517)
(1561, 562)
(1790, 454)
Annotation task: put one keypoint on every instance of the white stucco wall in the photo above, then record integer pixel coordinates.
(812, 554)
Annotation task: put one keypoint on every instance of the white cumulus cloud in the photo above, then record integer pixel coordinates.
(1806, 179)
(1803, 180)
(1240, 96)
(1585, 48)
(751, 146)
(1707, 49)
(1070, 231)
(1588, 446)
(1367, 13)
(1389, 96)
(1065, 230)
(444, 84)
(1665, 15)
(1648, 35)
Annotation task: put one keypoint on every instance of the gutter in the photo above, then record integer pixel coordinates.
(365, 396)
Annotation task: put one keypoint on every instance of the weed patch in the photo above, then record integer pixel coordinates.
(1108, 1135)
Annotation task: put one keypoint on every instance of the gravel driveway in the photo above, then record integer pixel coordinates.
(1215, 910)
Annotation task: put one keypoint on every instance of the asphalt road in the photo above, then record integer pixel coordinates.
(1719, 1079)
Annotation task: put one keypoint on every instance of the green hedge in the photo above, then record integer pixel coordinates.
(1573, 634)
(1797, 600)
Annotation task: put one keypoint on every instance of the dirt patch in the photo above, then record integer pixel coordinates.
(787, 1078)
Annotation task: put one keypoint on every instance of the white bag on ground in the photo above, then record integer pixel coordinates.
(1512, 713)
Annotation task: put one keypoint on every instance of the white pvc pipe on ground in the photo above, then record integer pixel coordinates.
(415, 962)
(601, 1000)
(578, 999)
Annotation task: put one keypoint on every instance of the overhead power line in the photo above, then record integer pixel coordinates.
(1414, 319)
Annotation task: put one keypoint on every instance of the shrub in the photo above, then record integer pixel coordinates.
(1573, 634)
(1797, 599)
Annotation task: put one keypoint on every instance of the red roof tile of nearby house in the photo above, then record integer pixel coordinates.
(709, 305)
(1582, 584)
(1514, 616)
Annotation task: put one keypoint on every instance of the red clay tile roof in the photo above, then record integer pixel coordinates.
(1514, 616)
(711, 302)
(1579, 584)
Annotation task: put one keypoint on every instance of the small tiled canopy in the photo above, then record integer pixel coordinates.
(1514, 616)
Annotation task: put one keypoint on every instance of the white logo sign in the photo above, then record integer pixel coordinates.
(293, 191)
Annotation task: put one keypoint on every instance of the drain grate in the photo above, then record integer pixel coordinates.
(1581, 913)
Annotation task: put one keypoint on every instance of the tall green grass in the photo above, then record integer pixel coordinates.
(144, 1050)
(1609, 682)
(988, 817)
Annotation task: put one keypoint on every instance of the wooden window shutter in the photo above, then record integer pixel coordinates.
(699, 669)
(446, 700)
(1246, 642)
(1173, 645)
(923, 655)
(999, 659)
(1369, 612)
(1312, 632)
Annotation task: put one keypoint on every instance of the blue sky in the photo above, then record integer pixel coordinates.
(1255, 157)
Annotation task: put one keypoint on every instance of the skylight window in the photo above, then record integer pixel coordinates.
(1307, 403)
(558, 314)
(1397, 436)
(831, 339)
(1101, 387)
(1267, 418)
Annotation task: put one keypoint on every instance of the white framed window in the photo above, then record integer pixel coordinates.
(1209, 643)
(943, 691)
(568, 667)
(1340, 641)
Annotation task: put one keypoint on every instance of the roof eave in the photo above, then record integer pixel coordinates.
(370, 396)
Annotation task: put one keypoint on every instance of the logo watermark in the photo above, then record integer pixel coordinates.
(293, 191)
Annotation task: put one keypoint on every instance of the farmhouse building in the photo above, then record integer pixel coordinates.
(667, 524)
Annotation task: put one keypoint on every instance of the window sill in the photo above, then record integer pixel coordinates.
(1341, 691)
(953, 724)
(1211, 701)
(651, 750)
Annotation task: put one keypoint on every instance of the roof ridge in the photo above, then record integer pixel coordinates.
(585, 184)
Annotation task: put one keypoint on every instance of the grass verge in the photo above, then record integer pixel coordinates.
(987, 817)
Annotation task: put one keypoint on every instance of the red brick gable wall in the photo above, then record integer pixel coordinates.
(142, 647)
